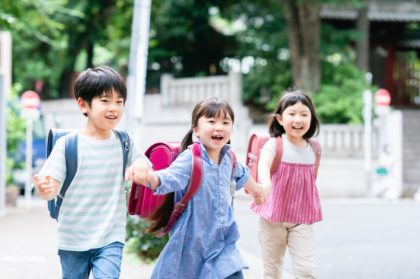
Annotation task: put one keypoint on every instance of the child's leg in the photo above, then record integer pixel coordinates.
(106, 261)
(272, 237)
(74, 265)
(301, 247)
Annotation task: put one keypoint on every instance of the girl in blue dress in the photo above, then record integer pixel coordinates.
(202, 243)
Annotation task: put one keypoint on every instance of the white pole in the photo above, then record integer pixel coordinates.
(137, 65)
(28, 162)
(367, 119)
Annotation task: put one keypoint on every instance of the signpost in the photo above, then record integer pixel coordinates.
(30, 102)
(367, 139)
(382, 109)
(382, 101)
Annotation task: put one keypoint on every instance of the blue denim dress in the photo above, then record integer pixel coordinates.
(202, 243)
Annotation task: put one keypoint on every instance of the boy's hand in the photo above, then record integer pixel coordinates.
(47, 187)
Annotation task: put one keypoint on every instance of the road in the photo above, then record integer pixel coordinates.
(358, 238)
(364, 239)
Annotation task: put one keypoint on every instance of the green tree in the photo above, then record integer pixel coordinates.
(182, 40)
(35, 35)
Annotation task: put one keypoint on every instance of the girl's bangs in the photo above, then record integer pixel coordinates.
(218, 109)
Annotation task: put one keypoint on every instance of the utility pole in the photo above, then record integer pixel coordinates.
(137, 66)
(5, 85)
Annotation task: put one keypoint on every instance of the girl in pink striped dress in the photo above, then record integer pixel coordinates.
(293, 204)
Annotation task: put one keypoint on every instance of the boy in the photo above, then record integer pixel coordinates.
(91, 224)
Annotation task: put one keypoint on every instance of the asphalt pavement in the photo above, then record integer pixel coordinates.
(358, 238)
(28, 247)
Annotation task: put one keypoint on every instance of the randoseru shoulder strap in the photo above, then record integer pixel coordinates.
(71, 167)
(125, 144)
(195, 182)
(232, 185)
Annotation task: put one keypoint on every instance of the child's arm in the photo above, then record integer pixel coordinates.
(47, 186)
(141, 173)
(260, 192)
(267, 156)
(256, 190)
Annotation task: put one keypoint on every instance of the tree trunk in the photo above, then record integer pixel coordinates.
(89, 51)
(303, 28)
(362, 44)
(75, 45)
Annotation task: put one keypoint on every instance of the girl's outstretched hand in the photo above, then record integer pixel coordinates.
(140, 172)
(258, 191)
(261, 195)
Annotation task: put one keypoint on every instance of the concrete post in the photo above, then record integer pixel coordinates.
(165, 81)
(5, 85)
(235, 80)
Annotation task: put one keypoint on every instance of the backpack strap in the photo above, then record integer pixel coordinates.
(71, 167)
(276, 161)
(232, 156)
(71, 163)
(317, 149)
(194, 185)
(125, 144)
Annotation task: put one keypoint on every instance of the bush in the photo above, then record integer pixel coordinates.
(146, 246)
(340, 99)
(15, 134)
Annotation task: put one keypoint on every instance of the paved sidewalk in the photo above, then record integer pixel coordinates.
(28, 246)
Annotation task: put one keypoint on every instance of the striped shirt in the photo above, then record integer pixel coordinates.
(294, 197)
(93, 212)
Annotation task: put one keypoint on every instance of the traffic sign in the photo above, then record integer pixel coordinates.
(382, 98)
(30, 100)
(382, 102)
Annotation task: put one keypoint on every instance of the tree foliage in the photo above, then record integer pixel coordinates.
(183, 41)
(54, 39)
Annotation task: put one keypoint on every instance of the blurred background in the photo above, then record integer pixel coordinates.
(359, 61)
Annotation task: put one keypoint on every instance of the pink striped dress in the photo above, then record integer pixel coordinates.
(294, 197)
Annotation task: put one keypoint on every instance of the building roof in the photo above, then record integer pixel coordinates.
(379, 10)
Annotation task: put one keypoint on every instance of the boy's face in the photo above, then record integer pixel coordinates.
(104, 112)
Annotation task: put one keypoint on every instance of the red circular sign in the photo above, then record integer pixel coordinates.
(382, 98)
(30, 100)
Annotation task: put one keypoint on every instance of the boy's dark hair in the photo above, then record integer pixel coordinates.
(100, 80)
(290, 98)
(210, 107)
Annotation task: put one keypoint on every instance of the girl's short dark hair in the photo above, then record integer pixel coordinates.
(290, 98)
(97, 81)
